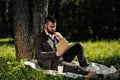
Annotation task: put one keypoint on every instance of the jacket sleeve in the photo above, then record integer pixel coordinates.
(42, 50)
(48, 55)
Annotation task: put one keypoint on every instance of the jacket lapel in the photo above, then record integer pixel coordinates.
(50, 42)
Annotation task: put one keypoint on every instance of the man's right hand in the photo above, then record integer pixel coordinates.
(58, 35)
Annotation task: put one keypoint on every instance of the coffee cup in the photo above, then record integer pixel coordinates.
(60, 69)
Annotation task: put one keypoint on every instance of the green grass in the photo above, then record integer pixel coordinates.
(7, 49)
(11, 69)
(104, 52)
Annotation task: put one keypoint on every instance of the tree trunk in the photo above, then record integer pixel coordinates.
(40, 11)
(26, 25)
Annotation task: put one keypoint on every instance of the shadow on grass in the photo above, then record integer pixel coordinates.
(3, 64)
(7, 42)
(114, 60)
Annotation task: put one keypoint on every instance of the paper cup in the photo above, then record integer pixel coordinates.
(60, 69)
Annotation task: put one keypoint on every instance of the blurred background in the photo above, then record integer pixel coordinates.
(78, 20)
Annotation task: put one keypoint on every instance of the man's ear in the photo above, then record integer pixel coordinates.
(45, 26)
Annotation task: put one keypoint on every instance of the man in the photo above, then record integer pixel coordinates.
(49, 57)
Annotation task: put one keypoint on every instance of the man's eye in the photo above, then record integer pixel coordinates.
(52, 26)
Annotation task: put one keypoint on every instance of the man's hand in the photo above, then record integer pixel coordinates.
(59, 53)
(58, 35)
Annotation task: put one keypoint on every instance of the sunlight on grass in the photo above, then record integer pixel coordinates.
(7, 50)
(101, 50)
(104, 52)
(6, 39)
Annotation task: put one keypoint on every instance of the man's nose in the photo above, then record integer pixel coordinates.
(53, 28)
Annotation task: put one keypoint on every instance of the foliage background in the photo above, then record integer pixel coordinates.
(87, 19)
(77, 19)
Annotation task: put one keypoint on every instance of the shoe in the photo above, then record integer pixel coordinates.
(82, 71)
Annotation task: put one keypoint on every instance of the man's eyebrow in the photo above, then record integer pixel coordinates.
(52, 26)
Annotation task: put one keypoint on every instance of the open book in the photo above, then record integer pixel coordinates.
(63, 45)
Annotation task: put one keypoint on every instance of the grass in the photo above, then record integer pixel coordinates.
(104, 52)
(7, 49)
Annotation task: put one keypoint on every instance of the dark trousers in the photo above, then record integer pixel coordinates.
(70, 54)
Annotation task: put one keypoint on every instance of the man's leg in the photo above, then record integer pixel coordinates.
(76, 50)
(69, 67)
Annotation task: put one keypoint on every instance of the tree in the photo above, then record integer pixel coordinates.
(28, 21)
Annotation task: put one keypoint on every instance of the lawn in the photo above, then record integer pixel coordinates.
(104, 52)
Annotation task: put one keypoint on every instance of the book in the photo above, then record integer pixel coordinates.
(63, 45)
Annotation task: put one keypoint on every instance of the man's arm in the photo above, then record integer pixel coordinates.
(59, 37)
(41, 53)
(47, 55)
(52, 54)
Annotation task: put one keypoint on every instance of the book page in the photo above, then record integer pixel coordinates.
(63, 45)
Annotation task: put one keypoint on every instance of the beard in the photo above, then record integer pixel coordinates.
(50, 32)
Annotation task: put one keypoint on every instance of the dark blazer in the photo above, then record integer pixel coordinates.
(45, 54)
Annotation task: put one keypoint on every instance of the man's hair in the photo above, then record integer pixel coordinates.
(50, 19)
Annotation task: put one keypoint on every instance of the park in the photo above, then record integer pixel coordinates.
(93, 23)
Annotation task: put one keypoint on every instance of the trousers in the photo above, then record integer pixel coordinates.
(76, 50)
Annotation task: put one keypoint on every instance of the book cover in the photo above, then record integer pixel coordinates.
(63, 45)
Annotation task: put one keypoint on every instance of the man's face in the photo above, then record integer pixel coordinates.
(51, 27)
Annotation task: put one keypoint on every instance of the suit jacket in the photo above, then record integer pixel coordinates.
(45, 53)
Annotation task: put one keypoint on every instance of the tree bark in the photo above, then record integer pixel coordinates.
(27, 24)
(40, 11)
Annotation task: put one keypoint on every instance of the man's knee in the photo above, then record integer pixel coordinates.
(80, 45)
